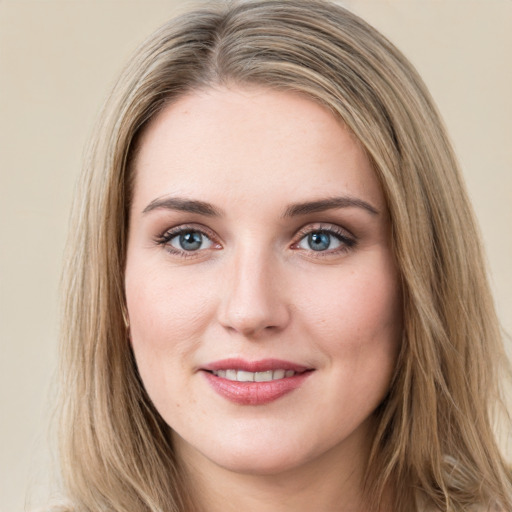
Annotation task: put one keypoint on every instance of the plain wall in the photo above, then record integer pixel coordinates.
(58, 60)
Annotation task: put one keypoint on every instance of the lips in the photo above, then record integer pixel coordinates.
(254, 382)
(243, 376)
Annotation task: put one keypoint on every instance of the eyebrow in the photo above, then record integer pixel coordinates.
(294, 210)
(328, 204)
(183, 205)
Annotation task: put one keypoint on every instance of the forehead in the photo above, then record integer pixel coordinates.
(252, 142)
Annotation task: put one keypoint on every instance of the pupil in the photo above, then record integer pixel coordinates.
(191, 240)
(319, 241)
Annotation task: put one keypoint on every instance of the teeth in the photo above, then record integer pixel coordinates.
(243, 376)
(263, 376)
(279, 374)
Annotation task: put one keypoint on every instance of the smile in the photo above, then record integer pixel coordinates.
(245, 376)
(255, 382)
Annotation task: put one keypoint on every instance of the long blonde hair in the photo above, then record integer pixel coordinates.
(435, 441)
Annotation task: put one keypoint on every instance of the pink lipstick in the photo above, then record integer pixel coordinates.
(255, 382)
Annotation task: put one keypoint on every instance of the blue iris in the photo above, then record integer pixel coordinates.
(319, 241)
(191, 240)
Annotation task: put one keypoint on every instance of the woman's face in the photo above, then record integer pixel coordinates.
(262, 292)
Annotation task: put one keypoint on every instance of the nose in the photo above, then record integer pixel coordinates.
(253, 301)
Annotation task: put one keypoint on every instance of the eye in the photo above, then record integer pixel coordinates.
(329, 240)
(190, 240)
(319, 241)
(187, 241)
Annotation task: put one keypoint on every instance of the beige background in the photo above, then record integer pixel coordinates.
(57, 61)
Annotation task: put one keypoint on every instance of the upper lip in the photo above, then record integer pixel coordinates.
(263, 365)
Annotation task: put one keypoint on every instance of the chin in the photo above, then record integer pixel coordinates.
(259, 463)
(250, 451)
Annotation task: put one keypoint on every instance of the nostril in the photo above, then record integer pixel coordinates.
(254, 322)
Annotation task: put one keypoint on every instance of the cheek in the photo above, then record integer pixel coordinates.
(166, 317)
(163, 310)
(357, 325)
(357, 315)
(361, 301)
(164, 321)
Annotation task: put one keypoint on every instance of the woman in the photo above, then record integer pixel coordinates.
(276, 297)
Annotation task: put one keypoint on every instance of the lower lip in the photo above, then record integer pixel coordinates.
(255, 393)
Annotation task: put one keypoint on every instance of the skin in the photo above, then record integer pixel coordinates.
(256, 289)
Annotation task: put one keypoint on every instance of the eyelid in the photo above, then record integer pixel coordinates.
(347, 239)
(169, 233)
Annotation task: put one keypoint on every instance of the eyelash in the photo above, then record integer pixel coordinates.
(165, 239)
(347, 242)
